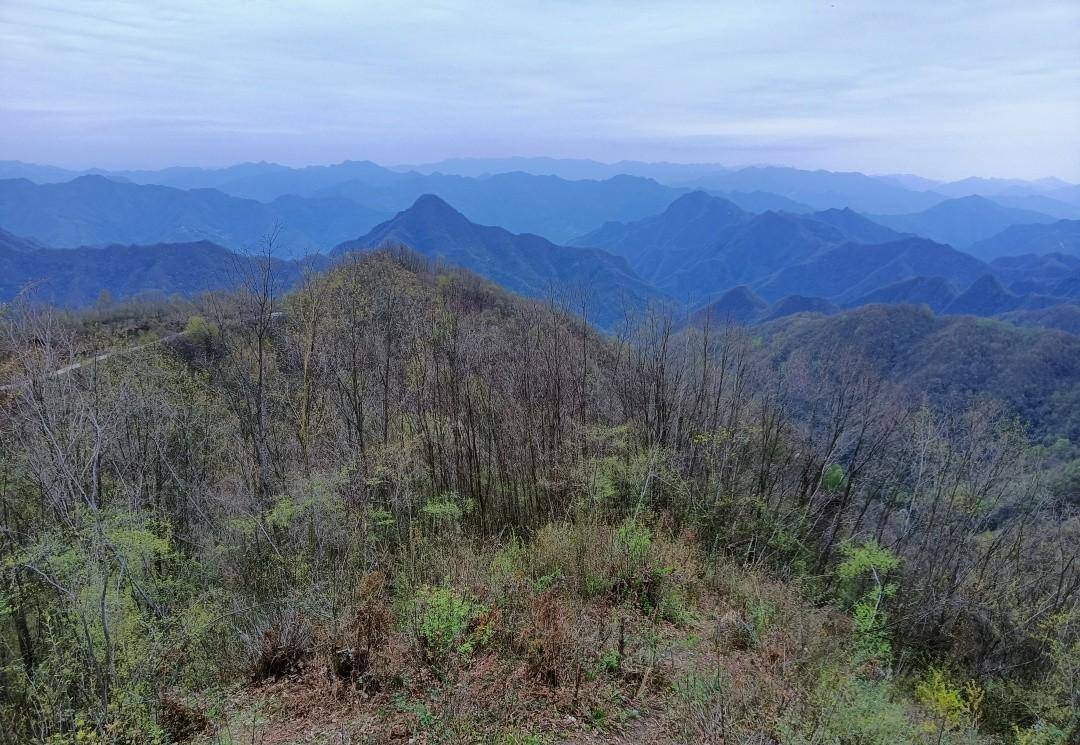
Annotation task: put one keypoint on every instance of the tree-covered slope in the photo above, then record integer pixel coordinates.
(953, 360)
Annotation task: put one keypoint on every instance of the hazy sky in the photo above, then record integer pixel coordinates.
(935, 87)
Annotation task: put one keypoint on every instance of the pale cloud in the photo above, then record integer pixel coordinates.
(940, 88)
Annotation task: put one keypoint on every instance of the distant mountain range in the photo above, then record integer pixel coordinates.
(852, 270)
(94, 210)
(550, 206)
(75, 277)
(821, 189)
(524, 263)
(1049, 273)
(747, 244)
(985, 297)
(1061, 237)
(962, 222)
(701, 246)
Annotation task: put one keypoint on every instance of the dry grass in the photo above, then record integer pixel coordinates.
(560, 666)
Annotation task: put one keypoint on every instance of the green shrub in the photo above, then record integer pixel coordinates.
(852, 711)
(449, 624)
(1040, 733)
(832, 478)
(951, 705)
(862, 585)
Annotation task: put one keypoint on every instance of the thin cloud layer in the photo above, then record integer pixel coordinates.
(945, 89)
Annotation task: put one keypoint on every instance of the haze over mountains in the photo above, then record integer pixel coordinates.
(524, 263)
(624, 235)
(94, 210)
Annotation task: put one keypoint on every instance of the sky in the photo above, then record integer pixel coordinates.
(939, 88)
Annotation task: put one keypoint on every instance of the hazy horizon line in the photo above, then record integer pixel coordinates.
(423, 163)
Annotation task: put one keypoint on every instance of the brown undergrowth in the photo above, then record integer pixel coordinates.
(535, 662)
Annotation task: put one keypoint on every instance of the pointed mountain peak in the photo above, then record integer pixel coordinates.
(738, 305)
(986, 297)
(699, 203)
(430, 210)
(430, 204)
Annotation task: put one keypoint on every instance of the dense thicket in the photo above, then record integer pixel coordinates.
(393, 450)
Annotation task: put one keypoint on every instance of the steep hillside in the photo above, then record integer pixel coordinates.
(743, 254)
(954, 360)
(985, 297)
(1063, 317)
(1068, 287)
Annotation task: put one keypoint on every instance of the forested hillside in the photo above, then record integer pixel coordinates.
(399, 503)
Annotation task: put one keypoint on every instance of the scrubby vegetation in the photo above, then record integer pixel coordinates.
(398, 502)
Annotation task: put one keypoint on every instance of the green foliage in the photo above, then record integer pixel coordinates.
(445, 511)
(1040, 733)
(200, 330)
(634, 541)
(171, 519)
(861, 578)
(608, 661)
(832, 478)
(759, 614)
(951, 705)
(851, 711)
(449, 624)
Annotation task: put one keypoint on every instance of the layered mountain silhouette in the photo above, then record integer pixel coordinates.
(692, 223)
(1060, 237)
(94, 210)
(741, 244)
(937, 293)
(555, 208)
(961, 222)
(736, 306)
(823, 189)
(855, 226)
(988, 297)
(704, 245)
(852, 270)
(524, 263)
(796, 304)
(75, 277)
(1038, 273)
(14, 243)
(740, 306)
